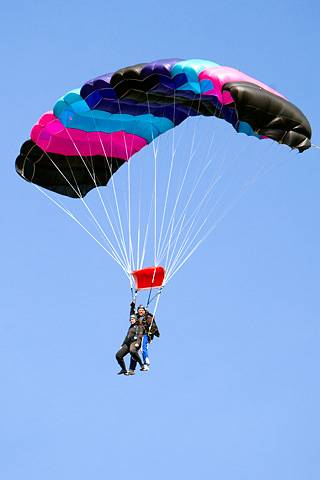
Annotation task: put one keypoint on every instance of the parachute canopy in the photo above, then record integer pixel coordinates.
(94, 130)
(149, 277)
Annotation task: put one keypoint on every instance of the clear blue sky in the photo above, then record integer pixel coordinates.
(233, 392)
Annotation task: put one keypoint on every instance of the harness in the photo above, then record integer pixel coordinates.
(134, 294)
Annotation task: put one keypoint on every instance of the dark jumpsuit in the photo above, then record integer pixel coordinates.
(131, 344)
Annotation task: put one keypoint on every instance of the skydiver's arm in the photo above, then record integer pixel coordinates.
(132, 308)
(156, 332)
(153, 327)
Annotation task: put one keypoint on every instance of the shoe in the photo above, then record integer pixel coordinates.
(123, 372)
(147, 362)
(144, 368)
(131, 372)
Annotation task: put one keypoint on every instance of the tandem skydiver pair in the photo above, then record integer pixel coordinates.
(140, 334)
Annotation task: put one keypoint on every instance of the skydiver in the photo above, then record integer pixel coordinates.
(150, 329)
(132, 345)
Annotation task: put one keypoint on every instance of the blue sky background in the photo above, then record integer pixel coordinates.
(234, 388)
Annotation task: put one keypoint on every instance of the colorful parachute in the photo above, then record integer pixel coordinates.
(93, 130)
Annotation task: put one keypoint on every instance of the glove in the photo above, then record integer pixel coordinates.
(132, 304)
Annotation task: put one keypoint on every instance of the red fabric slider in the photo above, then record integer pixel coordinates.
(149, 277)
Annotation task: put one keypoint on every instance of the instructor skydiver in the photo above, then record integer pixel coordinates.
(150, 329)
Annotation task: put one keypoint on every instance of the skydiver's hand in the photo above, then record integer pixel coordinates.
(137, 345)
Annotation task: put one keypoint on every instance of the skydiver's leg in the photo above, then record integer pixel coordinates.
(133, 364)
(124, 350)
(145, 350)
(134, 353)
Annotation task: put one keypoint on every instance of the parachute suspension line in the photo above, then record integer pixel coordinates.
(139, 224)
(115, 224)
(173, 153)
(186, 243)
(168, 247)
(205, 167)
(191, 155)
(176, 266)
(74, 178)
(81, 198)
(122, 238)
(129, 208)
(213, 227)
(150, 290)
(153, 205)
(153, 200)
(155, 154)
(108, 164)
(149, 296)
(130, 253)
(183, 216)
(65, 178)
(172, 219)
(224, 169)
(224, 166)
(188, 256)
(165, 204)
(261, 172)
(155, 149)
(134, 292)
(155, 295)
(122, 250)
(146, 236)
(191, 221)
(168, 262)
(83, 201)
(72, 216)
(155, 307)
(315, 146)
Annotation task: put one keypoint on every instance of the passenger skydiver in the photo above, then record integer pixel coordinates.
(131, 344)
(150, 330)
